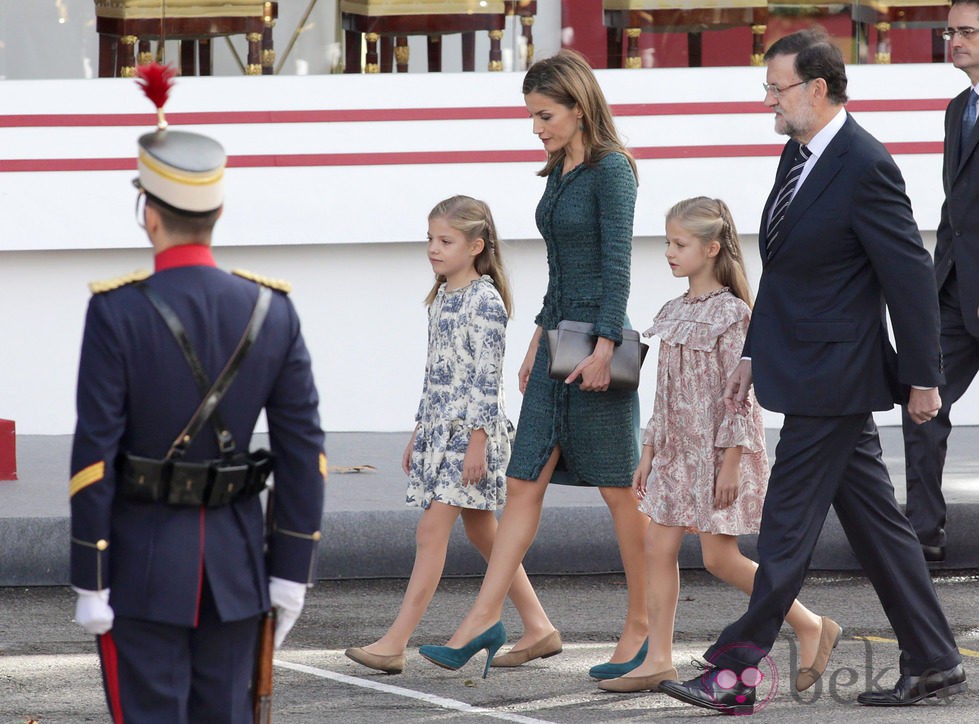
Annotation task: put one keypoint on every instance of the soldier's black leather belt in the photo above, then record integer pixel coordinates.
(212, 483)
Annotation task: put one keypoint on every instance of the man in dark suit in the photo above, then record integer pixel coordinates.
(957, 277)
(169, 555)
(838, 241)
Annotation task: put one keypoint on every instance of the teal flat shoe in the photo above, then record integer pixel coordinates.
(449, 658)
(614, 671)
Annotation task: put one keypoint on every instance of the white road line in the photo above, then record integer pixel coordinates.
(410, 693)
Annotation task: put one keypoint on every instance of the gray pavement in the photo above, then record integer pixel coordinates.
(369, 532)
(49, 673)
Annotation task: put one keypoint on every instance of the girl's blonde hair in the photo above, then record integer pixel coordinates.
(710, 220)
(568, 79)
(472, 217)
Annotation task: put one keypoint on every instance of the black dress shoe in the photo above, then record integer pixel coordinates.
(707, 693)
(912, 689)
(933, 554)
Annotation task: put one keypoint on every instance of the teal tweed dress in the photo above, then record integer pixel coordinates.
(585, 218)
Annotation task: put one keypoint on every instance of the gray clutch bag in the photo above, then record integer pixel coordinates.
(571, 342)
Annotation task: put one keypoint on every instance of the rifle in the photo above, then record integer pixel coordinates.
(262, 687)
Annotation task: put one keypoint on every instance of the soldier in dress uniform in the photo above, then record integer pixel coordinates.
(169, 555)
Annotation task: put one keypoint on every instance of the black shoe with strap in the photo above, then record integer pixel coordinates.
(707, 692)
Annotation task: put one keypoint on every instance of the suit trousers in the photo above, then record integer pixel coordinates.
(925, 445)
(823, 461)
(157, 673)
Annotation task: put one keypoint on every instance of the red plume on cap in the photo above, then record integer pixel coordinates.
(156, 81)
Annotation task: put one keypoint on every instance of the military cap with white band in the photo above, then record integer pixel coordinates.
(182, 169)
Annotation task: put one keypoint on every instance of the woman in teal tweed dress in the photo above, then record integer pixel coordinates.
(574, 431)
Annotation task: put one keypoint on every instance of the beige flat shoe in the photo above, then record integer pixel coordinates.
(393, 664)
(627, 684)
(829, 637)
(548, 646)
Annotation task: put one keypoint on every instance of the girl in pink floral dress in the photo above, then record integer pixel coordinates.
(703, 470)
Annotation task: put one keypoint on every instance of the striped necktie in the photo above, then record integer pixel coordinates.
(785, 194)
(968, 120)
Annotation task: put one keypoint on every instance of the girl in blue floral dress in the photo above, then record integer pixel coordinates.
(457, 456)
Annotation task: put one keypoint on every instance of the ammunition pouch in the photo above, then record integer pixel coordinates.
(212, 483)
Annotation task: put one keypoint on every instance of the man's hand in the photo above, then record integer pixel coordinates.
(93, 612)
(736, 389)
(923, 405)
(288, 597)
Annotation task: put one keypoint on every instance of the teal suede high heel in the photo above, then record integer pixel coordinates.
(613, 671)
(449, 658)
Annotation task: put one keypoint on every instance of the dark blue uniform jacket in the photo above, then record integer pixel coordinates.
(136, 393)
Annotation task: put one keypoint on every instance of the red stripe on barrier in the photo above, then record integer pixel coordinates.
(352, 115)
(898, 148)
(409, 158)
(899, 104)
(434, 157)
(67, 164)
(368, 115)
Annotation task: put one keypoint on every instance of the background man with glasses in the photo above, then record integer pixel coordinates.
(957, 277)
(838, 240)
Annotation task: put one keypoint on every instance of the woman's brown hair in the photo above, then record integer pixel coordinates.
(568, 79)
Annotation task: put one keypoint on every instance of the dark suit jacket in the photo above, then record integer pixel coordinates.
(135, 394)
(958, 230)
(818, 334)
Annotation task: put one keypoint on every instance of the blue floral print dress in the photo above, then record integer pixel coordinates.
(462, 392)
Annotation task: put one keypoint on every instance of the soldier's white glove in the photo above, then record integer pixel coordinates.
(92, 611)
(288, 597)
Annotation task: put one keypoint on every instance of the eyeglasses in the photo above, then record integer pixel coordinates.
(965, 32)
(776, 91)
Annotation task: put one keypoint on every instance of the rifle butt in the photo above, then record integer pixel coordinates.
(262, 687)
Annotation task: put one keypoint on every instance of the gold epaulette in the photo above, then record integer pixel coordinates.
(280, 285)
(108, 285)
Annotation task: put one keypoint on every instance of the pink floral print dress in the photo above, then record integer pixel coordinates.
(700, 345)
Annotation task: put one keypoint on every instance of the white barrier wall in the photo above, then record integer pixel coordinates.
(330, 183)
